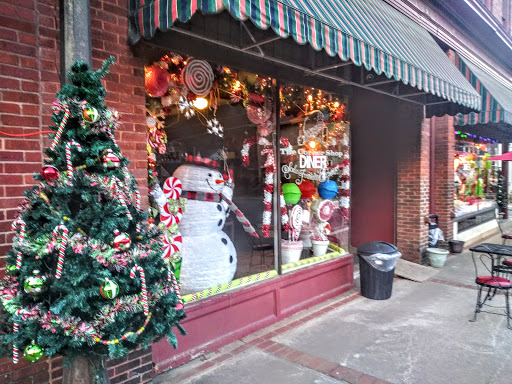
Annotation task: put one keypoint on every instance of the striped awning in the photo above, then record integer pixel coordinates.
(370, 33)
(496, 96)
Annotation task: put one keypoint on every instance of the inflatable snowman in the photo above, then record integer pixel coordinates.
(208, 255)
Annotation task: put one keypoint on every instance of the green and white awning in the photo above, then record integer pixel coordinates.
(496, 96)
(370, 33)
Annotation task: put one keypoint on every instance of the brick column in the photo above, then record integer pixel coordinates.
(413, 158)
(443, 169)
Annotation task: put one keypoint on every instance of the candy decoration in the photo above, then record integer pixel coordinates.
(169, 218)
(33, 353)
(90, 115)
(15, 351)
(61, 128)
(133, 271)
(172, 246)
(241, 217)
(325, 210)
(327, 189)
(62, 248)
(109, 289)
(19, 255)
(296, 221)
(119, 194)
(172, 188)
(69, 164)
(176, 288)
(291, 193)
(49, 173)
(122, 242)
(307, 190)
(137, 206)
(110, 160)
(198, 77)
(34, 285)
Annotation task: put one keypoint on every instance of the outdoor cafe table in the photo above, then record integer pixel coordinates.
(496, 251)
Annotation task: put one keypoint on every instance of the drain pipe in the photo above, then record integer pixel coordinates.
(75, 35)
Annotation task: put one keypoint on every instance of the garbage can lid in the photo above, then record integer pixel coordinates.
(374, 247)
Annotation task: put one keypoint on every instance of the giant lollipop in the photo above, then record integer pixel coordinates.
(296, 222)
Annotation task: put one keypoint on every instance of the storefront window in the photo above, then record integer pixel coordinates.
(315, 172)
(475, 179)
(212, 169)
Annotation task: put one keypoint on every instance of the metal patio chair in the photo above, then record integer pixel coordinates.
(490, 277)
(505, 235)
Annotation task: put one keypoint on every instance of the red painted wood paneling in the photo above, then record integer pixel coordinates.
(224, 318)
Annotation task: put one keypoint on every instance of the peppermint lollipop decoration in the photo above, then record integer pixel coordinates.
(198, 77)
(172, 188)
(296, 221)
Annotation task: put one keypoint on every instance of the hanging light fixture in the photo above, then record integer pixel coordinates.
(200, 103)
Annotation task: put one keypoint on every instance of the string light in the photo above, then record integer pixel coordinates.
(200, 103)
(470, 135)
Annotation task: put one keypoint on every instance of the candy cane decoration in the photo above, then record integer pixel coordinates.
(270, 170)
(241, 217)
(62, 248)
(15, 352)
(133, 271)
(172, 246)
(119, 194)
(69, 164)
(137, 206)
(61, 126)
(19, 255)
(176, 288)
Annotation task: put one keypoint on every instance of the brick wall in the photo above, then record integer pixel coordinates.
(413, 181)
(443, 168)
(29, 78)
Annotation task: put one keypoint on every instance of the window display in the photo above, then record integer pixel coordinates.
(212, 169)
(475, 179)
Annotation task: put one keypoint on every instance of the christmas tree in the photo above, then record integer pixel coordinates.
(86, 276)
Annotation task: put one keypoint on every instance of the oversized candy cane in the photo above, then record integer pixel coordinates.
(240, 217)
(68, 160)
(62, 248)
(14, 225)
(15, 352)
(133, 271)
(61, 126)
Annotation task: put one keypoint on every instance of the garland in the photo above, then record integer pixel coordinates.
(270, 170)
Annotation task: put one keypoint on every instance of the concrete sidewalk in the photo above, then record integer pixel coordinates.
(420, 335)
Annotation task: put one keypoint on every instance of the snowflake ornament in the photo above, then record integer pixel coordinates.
(214, 128)
(186, 107)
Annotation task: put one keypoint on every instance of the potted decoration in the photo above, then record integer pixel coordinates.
(291, 249)
(323, 210)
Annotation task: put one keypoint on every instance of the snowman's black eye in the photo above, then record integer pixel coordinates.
(210, 175)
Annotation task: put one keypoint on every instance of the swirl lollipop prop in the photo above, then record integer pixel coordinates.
(198, 77)
(296, 222)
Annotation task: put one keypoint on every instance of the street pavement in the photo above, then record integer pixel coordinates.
(421, 335)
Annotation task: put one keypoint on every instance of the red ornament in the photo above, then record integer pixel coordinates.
(307, 190)
(157, 81)
(49, 173)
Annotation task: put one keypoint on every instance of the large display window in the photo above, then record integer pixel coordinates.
(213, 155)
(475, 178)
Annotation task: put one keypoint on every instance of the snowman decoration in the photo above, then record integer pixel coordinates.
(208, 255)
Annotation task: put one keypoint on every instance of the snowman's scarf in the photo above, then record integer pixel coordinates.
(215, 198)
(241, 217)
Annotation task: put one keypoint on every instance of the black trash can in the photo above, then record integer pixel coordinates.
(377, 262)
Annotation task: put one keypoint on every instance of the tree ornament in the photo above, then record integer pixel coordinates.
(90, 115)
(327, 189)
(110, 160)
(33, 353)
(198, 77)
(157, 81)
(307, 190)
(34, 285)
(50, 173)
(122, 242)
(291, 193)
(11, 270)
(109, 289)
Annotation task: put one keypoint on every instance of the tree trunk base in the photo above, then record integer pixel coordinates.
(85, 370)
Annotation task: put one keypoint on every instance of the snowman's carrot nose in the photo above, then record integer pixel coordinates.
(219, 181)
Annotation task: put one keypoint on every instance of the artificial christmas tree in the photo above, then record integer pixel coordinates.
(86, 275)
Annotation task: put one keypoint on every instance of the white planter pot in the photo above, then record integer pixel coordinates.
(290, 251)
(320, 247)
(437, 256)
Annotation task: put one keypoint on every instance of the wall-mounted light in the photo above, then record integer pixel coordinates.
(312, 144)
(200, 103)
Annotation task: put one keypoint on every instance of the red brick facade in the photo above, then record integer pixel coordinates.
(29, 78)
(413, 181)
